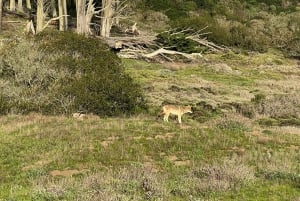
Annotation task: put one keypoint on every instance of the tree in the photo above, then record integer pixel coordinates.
(39, 15)
(28, 4)
(106, 17)
(12, 5)
(62, 10)
(20, 6)
(85, 10)
(1, 5)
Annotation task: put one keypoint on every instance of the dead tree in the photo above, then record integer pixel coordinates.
(148, 47)
(12, 5)
(62, 10)
(85, 11)
(106, 17)
(40, 16)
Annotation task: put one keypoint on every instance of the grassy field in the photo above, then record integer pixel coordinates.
(217, 154)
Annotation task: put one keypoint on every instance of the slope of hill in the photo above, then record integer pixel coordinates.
(242, 141)
(217, 154)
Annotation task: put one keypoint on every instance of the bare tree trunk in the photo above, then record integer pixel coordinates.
(20, 6)
(62, 10)
(84, 15)
(117, 17)
(1, 5)
(53, 8)
(80, 10)
(39, 16)
(106, 17)
(12, 5)
(29, 27)
(28, 4)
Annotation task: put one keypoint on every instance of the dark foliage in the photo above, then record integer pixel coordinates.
(67, 73)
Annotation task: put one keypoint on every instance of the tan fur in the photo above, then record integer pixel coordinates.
(78, 115)
(175, 110)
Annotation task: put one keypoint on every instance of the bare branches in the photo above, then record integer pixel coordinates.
(152, 48)
(52, 19)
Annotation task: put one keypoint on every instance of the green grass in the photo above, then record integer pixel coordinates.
(33, 146)
(217, 154)
(263, 191)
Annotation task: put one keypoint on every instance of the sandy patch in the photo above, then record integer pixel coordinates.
(65, 173)
(165, 136)
(182, 163)
(37, 164)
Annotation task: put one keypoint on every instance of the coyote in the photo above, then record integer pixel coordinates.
(78, 115)
(176, 110)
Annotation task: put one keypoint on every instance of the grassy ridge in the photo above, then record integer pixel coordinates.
(184, 156)
(225, 156)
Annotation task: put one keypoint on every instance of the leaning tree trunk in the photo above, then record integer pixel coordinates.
(12, 5)
(39, 16)
(62, 11)
(106, 18)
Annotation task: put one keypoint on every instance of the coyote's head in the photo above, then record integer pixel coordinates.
(187, 109)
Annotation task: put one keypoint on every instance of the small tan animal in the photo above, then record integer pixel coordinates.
(78, 115)
(175, 110)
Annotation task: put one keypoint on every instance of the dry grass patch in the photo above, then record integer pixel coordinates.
(281, 106)
(132, 183)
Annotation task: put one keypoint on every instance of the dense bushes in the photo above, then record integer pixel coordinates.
(233, 35)
(65, 72)
(254, 25)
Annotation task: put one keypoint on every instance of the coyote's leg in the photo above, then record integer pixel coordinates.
(179, 118)
(166, 117)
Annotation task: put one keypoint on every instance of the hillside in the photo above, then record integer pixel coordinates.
(217, 154)
(242, 141)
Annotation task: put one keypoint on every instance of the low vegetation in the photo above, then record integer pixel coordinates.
(219, 153)
(242, 141)
(53, 74)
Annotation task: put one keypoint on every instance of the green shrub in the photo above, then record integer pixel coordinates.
(258, 98)
(179, 42)
(234, 35)
(281, 106)
(217, 33)
(292, 48)
(4, 105)
(65, 72)
(173, 9)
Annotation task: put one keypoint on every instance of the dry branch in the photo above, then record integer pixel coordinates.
(163, 51)
(149, 47)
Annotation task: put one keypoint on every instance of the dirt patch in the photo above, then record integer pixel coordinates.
(182, 163)
(37, 164)
(65, 173)
(137, 137)
(172, 158)
(178, 65)
(177, 162)
(238, 150)
(256, 133)
(293, 147)
(264, 139)
(166, 136)
(108, 141)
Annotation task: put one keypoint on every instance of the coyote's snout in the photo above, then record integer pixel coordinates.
(175, 110)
